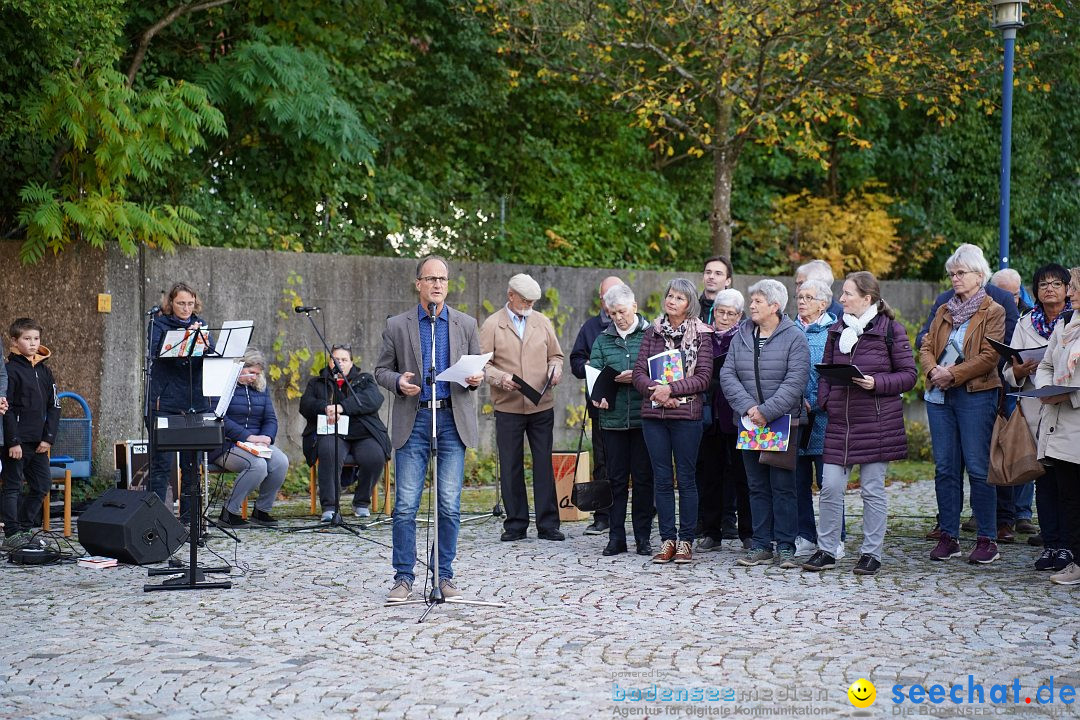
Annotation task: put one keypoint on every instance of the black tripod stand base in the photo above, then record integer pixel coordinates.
(191, 579)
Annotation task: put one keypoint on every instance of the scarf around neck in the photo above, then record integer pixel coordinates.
(962, 310)
(687, 335)
(854, 327)
(1039, 321)
(1070, 339)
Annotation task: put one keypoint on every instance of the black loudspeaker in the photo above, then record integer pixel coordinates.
(132, 526)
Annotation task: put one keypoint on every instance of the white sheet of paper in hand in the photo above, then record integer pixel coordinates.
(591, 374)
(466, 366)
(747, 423)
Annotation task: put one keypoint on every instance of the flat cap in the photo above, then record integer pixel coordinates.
(525, 286)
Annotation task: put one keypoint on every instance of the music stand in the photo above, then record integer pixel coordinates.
(203, 432)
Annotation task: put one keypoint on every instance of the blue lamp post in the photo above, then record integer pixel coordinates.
(1008, 17)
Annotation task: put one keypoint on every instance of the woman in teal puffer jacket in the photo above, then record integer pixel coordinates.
(812, 298)
(620, 423)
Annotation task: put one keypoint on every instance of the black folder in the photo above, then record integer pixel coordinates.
(532, 393)
(839, 372)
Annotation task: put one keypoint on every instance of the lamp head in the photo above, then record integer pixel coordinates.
(1007, 14)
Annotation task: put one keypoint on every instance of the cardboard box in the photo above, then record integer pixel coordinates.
(563, 465)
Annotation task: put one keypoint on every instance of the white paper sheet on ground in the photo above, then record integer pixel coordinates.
(219, 376)
(234, 337)
(591, 374)
(465, 366)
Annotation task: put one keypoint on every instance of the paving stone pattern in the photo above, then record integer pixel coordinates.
(309, 635)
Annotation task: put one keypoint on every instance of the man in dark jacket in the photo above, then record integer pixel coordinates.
(365, 444)
(579, 358)
(29, 431)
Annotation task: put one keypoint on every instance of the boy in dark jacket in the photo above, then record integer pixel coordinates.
(29, 431)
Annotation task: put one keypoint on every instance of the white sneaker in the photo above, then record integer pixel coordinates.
(327, 516)
(840, 552)
(361, 511)
(1068, 576)
(804, 546)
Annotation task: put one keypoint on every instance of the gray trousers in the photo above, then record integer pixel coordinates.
(268, 475)
(875, 511)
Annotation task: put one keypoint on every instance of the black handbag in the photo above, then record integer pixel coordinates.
(591, 495)
(787, 459)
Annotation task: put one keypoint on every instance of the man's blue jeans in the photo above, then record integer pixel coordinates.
(665, 439)
(960, 435)
(410, 472)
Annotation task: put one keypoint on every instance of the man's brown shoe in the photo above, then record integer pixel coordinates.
(666, 554)
(1005, 534)
(683, 552)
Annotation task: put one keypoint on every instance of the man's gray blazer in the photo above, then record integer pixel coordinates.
(401, 354)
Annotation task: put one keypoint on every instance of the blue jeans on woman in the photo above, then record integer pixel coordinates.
(772, 503)
(680, 438)
(960, 432)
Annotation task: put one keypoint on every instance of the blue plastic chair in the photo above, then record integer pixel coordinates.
(75, 439)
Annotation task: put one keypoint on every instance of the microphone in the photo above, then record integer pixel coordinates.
(431, 309)
(154, 310)
(306, 309)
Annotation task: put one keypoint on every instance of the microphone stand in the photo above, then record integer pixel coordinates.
(436, 596)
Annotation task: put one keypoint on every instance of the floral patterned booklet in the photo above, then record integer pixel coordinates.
(773, 437)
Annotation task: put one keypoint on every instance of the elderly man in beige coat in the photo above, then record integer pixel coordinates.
(524, 345)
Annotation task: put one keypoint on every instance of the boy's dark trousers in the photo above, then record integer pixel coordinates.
(22, 512)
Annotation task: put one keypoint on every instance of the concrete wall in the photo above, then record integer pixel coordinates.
(100, 356)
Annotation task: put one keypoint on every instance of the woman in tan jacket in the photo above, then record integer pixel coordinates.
(962, 391)
(1059, 436)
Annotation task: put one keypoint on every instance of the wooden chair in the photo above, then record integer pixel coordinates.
(60, 472)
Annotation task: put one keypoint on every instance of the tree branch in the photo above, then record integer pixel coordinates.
(173, 15)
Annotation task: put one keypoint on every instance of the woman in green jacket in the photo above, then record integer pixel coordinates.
(620, 423)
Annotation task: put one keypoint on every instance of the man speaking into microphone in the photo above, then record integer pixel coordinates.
(404, 367)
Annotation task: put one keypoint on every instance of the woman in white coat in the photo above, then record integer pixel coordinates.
(1059, 439)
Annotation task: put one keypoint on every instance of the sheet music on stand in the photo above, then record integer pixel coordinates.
(222, 365)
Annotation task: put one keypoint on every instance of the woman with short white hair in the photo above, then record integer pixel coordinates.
(721, 478)
(763, 378)
(812, 300)
(961, 402)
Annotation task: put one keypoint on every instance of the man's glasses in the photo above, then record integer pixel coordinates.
(434, 279)
(1051, 285)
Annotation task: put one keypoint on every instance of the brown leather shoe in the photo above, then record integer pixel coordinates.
(666, 554)
(1005, 534)
(683, 552)
(1026, 527)
(934, 534)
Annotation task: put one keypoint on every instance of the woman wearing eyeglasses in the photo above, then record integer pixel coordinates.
(1052, 304)
(962, 389)
(175, 386)
(365, 445)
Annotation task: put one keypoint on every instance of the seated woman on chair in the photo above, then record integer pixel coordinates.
(251, 420)
(365, 445)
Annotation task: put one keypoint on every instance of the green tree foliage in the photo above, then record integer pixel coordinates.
(394, 128)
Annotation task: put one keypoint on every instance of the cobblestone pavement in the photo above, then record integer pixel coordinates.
(307, 635)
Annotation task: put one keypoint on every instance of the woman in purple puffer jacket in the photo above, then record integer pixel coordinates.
(671, 414)
(866, 418)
